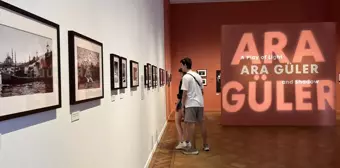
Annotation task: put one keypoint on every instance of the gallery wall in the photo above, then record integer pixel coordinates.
(167, 51)
(116, 131)
(196, 31)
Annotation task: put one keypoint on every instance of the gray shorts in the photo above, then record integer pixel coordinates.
(193, 114)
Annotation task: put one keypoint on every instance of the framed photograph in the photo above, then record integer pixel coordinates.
(123, 72)
(164, 77)
(202, 72)
(86, 68)
(150, 76)
(134, 74)
(114, 68)
(160, 77)
(146, 75)
(167, 77)
(154, 76)
(204, 81)
(29, 63)
(218, 81)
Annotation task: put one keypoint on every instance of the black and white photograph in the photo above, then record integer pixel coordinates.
(167, 77)
(86, 68)
(150, 76)
(154, 76)
(29, 63)
(160, 77)
(25, 63)
(146, 75)
(218, 81)
(164, 77)
(123, 72)
(114, 68)
(134, 73)
(202, 72)
(204, 81)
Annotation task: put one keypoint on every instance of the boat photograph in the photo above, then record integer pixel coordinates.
(25, 63)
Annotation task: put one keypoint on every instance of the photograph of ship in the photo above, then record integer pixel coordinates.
(88, 69)
(25, 63)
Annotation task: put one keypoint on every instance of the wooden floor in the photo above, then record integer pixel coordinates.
(254, 147)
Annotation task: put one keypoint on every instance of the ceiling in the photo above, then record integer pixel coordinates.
(204, 1)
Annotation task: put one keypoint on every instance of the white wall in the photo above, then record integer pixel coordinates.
(115, 133)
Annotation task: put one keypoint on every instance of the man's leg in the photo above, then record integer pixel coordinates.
(190, 119)
(200, 116)
(178, 120)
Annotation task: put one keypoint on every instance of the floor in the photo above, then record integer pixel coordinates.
(254, 147)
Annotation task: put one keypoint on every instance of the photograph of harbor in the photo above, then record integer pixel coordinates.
(26, 63)
(88, 69)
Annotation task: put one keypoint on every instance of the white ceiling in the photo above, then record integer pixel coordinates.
(205, 1)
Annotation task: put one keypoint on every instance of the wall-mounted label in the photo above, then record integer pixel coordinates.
(75, 116)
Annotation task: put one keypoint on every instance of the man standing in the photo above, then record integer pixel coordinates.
(192, 100)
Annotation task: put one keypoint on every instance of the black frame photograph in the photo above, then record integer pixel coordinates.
(202, 72)
(160, 76)
(86, 68)
(123, 72)
(115, 71)
(218, 81)
(134, 73)
(154, 76)
(146, 76)
(204, 82)
(164, 77)
(29, 63)
(150, 78)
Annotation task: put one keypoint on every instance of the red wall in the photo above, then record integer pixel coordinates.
(167, 51)
(196, 31)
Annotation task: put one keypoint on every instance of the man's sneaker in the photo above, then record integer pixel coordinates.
(188, 144)
(190, 151)
(206, 147)
(181, 145)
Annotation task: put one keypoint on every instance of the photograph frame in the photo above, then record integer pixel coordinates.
(204, 71)
(146, 76)
(164, 77)
(35, 18)
(150, 75)
(218, 81)
(160, 77)
(204, 82)
(121, 72)
(73, 92)
(132, 73)
(112, 70)
(154, 76)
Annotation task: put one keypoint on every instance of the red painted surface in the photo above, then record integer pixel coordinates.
(196, 32)
(167, 51)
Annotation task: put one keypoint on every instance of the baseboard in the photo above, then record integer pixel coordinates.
(155, 145)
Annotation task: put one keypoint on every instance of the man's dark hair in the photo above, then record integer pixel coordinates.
(186, 61)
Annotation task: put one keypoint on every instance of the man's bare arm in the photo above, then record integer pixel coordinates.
(184, 97)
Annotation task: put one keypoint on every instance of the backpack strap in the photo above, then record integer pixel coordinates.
(195, 80)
